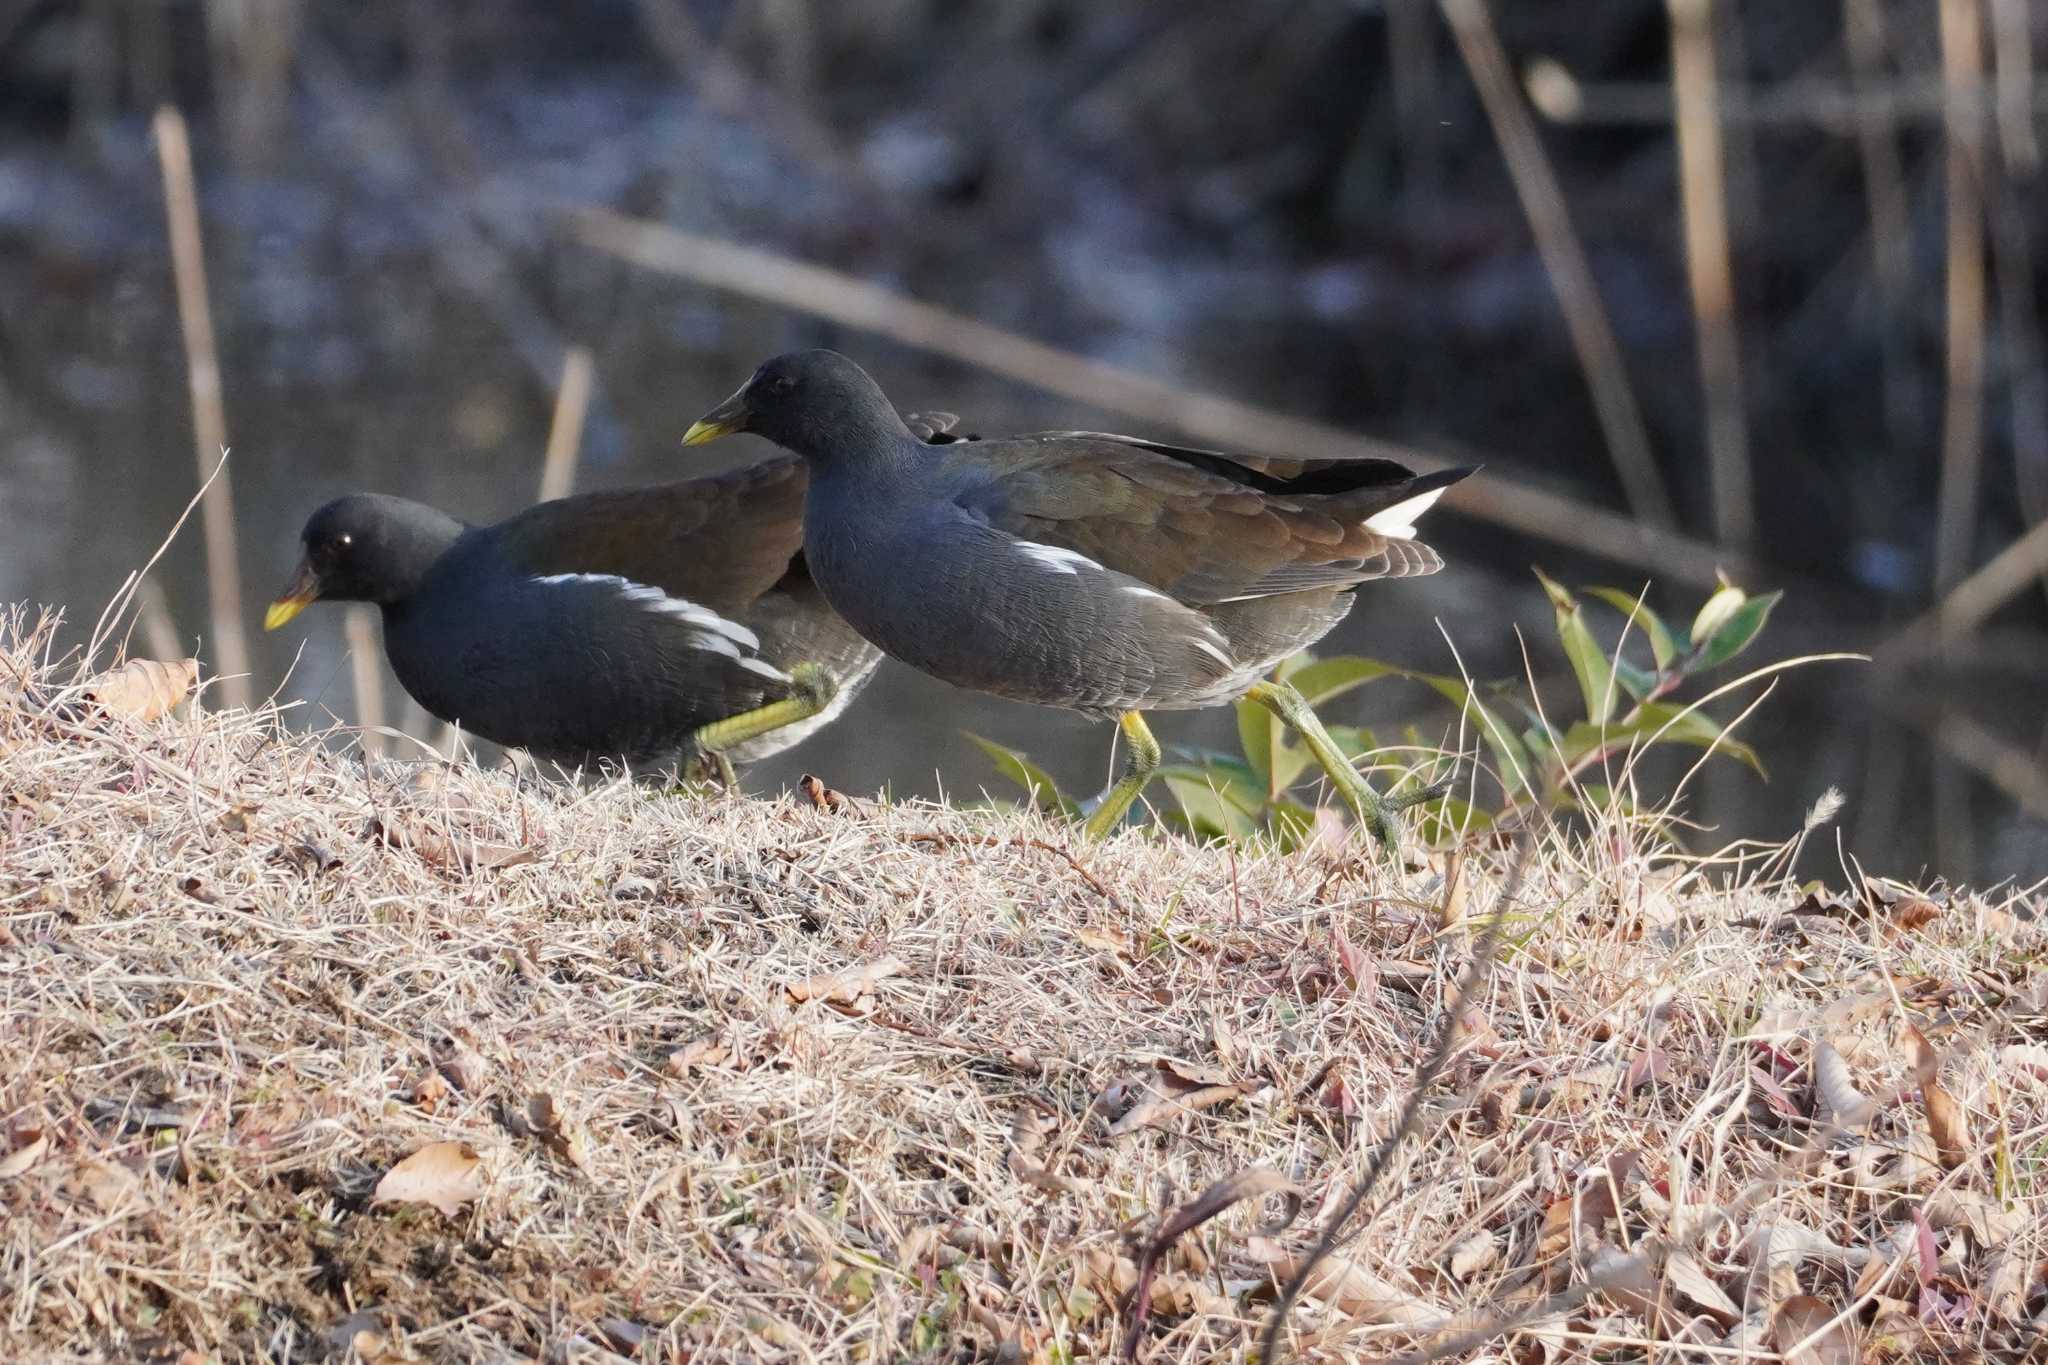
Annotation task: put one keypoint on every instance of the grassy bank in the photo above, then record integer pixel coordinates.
(421, 1063)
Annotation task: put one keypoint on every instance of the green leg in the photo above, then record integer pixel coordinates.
(1144, 759)
(1375, 812)
(815, 688)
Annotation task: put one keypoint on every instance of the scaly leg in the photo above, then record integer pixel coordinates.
(1118, 799)
(814, 689)
(1375, 812)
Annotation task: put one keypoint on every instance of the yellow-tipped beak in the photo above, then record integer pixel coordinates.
(723, 420)
(700, 432)
(300, 593)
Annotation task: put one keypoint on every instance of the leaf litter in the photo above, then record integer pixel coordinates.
(742, 1079)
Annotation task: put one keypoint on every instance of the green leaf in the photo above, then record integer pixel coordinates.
(1258, 734)
(1662, 646)
(1208, 811)
(1235, 782)
(1441, 821)
(1735, 633)
(1648, 725)
(1045, 793)
(1326, 679)
(1509, 757)
(1355, 741)
(1639, 683)
(1588, 660)
(1717, 609)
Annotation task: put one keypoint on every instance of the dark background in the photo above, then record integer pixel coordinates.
(1301, 204)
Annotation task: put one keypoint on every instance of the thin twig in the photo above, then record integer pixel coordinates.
(1520, 506)
(1425, 1077)
(565, 431)
(209, 423)
(1962, 444)
(1702, 191)
(1564, 261)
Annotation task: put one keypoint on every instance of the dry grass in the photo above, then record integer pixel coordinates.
(240, 979)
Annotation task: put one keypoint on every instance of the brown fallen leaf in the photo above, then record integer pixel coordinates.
(699, 1052)
(819, 795)
(1104, 939)
(846, 985)
(429, 1091)
(561, 1134)
(1804, 1330)
(143, 690)
(25, 1155)
(1946, 1122)
(446, 1175)
(1911, 913)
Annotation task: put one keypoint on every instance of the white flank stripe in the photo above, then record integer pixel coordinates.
(1054, 558)
(1398, 521)
(765, 669)
(713, 632)
(1139, 590)
(1229, 664)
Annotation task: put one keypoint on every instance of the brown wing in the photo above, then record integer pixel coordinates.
(1201, 526)
(721, 541)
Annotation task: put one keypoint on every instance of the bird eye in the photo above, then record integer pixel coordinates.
(347, 539)
(781, 383)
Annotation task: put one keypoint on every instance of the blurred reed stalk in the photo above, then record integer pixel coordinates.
(1702, 178)
(368, 682)
(1962, 426)
(209, 422)
(153, 618)
(803, 287)
(565, 431)
(1884, 186)
(1564, 261)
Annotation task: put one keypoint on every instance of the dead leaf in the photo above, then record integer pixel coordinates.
(1796, 1332)
(1691, 1279)
(846, 985)
(1473, 1255)
(1850, 1106)
(1349, 1287)
(446, 1175)
(106, 1184)
(699, 1052)
(374, 1348)
(429, 1091)
(26, 1155)
(1651, 1067)
(463, 1066)
(819, 795)
(1946, 1122)
(1104, 939)
(561, 1134)
(143, 690)
(466, 854)
(1913, 912)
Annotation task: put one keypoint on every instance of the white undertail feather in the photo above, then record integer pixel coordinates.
(1399, 520)
(1057, 559)
(709, 630)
